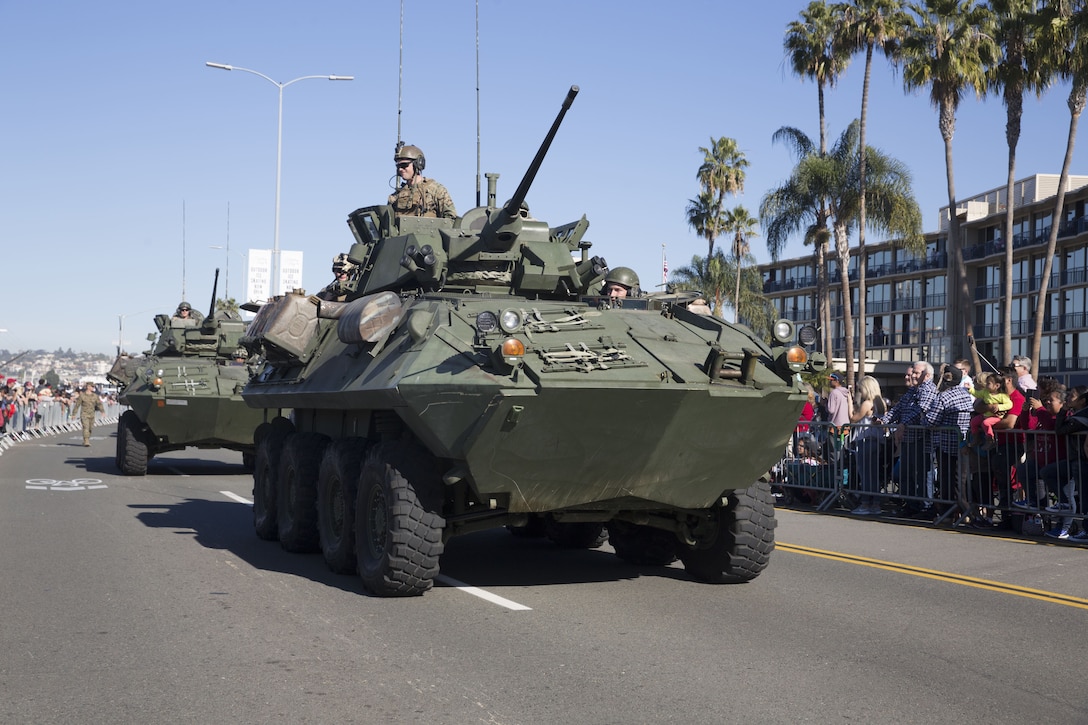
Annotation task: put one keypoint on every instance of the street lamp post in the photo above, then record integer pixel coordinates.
(121, 329)
(279, 156)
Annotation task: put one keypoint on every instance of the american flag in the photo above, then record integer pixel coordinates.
(664, 266)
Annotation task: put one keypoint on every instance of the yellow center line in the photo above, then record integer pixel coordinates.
(968, 581)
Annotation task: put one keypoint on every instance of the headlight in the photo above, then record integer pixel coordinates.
(783, 330)
(486, 322)
(510, 320)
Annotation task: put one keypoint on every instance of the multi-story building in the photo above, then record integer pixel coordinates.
(908, 313)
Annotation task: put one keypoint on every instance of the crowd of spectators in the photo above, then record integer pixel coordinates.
(990, 452)
(24, 405)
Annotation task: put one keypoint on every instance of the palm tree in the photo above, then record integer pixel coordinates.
(866, 25)
(1065, 36)
(742, 226)
(715, 276)
(811, 49)
(228, 305)
(1018, 70)
(721, 173)
(709, 275)
(947, 46)
(826, 186)
(704, 215)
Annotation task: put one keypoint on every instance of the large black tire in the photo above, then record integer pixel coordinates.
(398, 524)
(642, 545)
(574, 535)
(132, 450)
(337, 481)
(264, 487)
(740, 541)
(296, 485)
(265, 468)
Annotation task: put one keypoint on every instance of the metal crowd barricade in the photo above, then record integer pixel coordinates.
(1012, 480)
(50, 417)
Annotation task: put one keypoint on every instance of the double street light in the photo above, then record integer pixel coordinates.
(279, 156)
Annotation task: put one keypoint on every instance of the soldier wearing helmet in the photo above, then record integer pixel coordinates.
(185, 312)
(417, 195)
(344, 273)
(620, 282)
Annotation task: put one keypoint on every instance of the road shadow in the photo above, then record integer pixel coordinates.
(228, 526)
(487, 558)
(166, 465)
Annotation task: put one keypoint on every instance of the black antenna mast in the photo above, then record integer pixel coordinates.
(478, 103)
(400, 78)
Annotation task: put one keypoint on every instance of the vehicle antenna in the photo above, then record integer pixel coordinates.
(400, 77)
(477, 103)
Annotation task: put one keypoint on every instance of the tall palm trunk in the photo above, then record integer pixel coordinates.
(1077, 97)
(842, 246)
(862, 261)
(959, 287)
(1014, 104)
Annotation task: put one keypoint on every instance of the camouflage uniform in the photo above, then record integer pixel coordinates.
(86, 403)
(426, 197)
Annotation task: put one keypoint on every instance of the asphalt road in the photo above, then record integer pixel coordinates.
(150, 600)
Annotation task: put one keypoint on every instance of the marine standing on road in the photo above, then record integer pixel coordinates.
(418, 195)
(87, 403)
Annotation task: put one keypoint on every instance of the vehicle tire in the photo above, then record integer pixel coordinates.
(249, 461)
(398, 527)
(119, 455)
(740, 539)
(337, 479)
(296, 492)
(264, 487)
(574, 535)
(642, 545)
(132, 450)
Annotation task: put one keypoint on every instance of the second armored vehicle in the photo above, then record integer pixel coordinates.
(474, 379)
(185, 391)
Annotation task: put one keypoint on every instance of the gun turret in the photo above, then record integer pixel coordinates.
(503, 227)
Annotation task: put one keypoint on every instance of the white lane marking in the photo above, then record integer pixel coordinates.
(483, 594)
(474, 591)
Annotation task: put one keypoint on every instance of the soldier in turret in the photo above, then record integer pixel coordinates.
(184, 312)
(418, 195)
(343, 272)
(620, 282)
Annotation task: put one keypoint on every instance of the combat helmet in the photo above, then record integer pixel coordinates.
(413, 154)
(341, 263)
(184, 306)
(624, 276)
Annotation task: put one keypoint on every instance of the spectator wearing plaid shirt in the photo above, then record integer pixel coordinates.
(915, 455)
(949, 417)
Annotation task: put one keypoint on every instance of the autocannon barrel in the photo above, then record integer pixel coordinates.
(513, 207)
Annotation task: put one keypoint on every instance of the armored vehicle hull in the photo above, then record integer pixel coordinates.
(472, 380)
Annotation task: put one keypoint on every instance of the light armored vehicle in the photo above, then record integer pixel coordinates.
(185, 391)
(473, 379)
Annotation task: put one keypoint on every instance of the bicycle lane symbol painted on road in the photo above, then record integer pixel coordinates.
(76, 484)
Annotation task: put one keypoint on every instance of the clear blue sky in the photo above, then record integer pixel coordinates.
(111, 122)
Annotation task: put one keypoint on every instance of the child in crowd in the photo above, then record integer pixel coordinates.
(992, 405)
